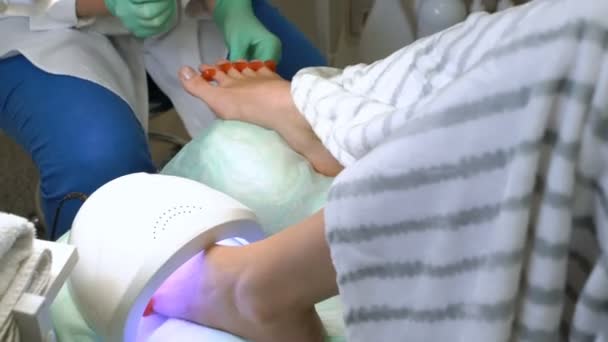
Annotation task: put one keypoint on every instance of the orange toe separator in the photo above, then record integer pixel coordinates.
(208, 74)
(149, 308)
(225, 66)
(271, 65)
(256, 65)
(240, 66)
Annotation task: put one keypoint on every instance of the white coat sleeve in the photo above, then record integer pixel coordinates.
(60, 14)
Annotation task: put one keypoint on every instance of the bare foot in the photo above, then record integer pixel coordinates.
(215, 290)
(259, 97)
(263, 98)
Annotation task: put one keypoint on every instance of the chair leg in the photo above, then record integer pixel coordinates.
(167, 138)
(176, 142)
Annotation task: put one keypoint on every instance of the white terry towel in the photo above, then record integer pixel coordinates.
(22, 269)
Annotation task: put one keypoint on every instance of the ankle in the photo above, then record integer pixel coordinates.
(275, 319)
(254, 301)
(287, 112)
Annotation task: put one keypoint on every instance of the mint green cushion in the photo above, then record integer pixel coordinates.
(254, 166)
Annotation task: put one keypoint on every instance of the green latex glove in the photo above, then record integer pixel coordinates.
(244, 34)
(144, 18)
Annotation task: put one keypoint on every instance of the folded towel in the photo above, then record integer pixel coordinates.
(22, 269)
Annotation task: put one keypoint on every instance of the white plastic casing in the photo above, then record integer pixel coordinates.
(134, 232)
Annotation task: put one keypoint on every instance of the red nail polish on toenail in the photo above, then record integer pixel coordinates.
(256, 65)
(225, 66)
(240, 66)
(271, 65)
(149, 308)
(208, 74)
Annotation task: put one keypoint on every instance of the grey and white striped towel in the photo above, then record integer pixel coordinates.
(473, 206)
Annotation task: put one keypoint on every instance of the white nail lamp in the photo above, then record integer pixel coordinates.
(133, 233)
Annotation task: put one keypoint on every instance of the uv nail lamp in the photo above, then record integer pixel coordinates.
(133, 233)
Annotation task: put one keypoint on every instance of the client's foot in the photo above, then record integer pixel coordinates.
(260, 97)
(215, 290)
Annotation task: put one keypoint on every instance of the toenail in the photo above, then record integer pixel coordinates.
(271, 65)
(188, 73)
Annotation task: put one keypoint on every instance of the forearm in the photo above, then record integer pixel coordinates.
(92, 8)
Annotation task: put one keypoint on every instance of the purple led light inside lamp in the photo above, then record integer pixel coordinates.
(152, 321)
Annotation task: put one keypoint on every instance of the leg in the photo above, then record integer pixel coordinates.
(262, 98)
(265, 291)
(298, 51)
(79, 134)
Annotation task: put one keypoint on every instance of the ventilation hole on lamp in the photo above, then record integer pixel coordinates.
(163, 220)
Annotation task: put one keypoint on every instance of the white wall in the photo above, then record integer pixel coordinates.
(319, 20)
(326, 23)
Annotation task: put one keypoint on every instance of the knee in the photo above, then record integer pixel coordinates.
(88, 165)
(92, 137)
(99, 158)
(102, 162)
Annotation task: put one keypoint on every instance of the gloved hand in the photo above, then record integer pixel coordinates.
(144, 18)
(244, 34)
